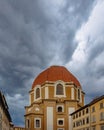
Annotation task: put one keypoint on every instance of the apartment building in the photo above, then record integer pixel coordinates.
(90, 116)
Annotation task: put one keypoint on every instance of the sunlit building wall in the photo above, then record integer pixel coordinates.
(54, 95)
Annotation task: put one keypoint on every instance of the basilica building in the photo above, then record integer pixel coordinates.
(54, 95)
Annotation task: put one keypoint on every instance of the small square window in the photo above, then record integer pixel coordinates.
(60, 122)
(83, 121)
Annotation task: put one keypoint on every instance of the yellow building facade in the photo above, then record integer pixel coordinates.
(97, 113)
(54, 95)
(90, 116)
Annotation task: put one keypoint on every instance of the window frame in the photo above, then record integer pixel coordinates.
(93, 108)
(101, 127)
(93, 119)
(59, 89)
(35, 124)
(37, 93)
(60, 119)
(93, 128)
(27, 123)
(101, 105)
(35, 90)
(55, 89)
(61, 107)
(102, 116)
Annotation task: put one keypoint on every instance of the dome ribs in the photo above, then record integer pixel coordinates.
(54, 73)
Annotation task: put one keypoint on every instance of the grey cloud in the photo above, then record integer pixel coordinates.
(31, 36)
(75, 13)
(16, 106)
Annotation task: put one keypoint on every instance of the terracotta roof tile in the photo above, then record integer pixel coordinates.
(55, 73)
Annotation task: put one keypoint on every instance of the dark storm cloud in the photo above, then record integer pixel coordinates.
(74, 14)
(32, 34)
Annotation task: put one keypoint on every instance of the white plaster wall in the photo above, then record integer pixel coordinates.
(46, 92)
(49, 118)
(72, 93)
(70, 110)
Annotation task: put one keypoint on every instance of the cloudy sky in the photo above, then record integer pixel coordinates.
(35, 34)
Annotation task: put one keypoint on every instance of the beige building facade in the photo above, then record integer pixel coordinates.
(54, 95)
(5, 118)
(91, 116)
(18, 128)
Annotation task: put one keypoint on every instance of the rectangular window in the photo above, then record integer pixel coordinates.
(79, 94)
(93, 119)
(87, 120)
(27, 123)
(83, 112)
(73, 116)
(83, 121)
(102, 116)
(0, 125)
(101, 105)
(87, 110)
(79, 113)
(93, 128)
(93, 109)
(102, 127)
(74, 124)
(37, 122)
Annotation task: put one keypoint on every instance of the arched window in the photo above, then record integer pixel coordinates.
(37, 93)
(59, 89)
(59, 109)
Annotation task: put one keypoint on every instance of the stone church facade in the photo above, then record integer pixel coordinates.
(54, 95)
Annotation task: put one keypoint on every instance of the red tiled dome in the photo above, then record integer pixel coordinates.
(55, 73)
